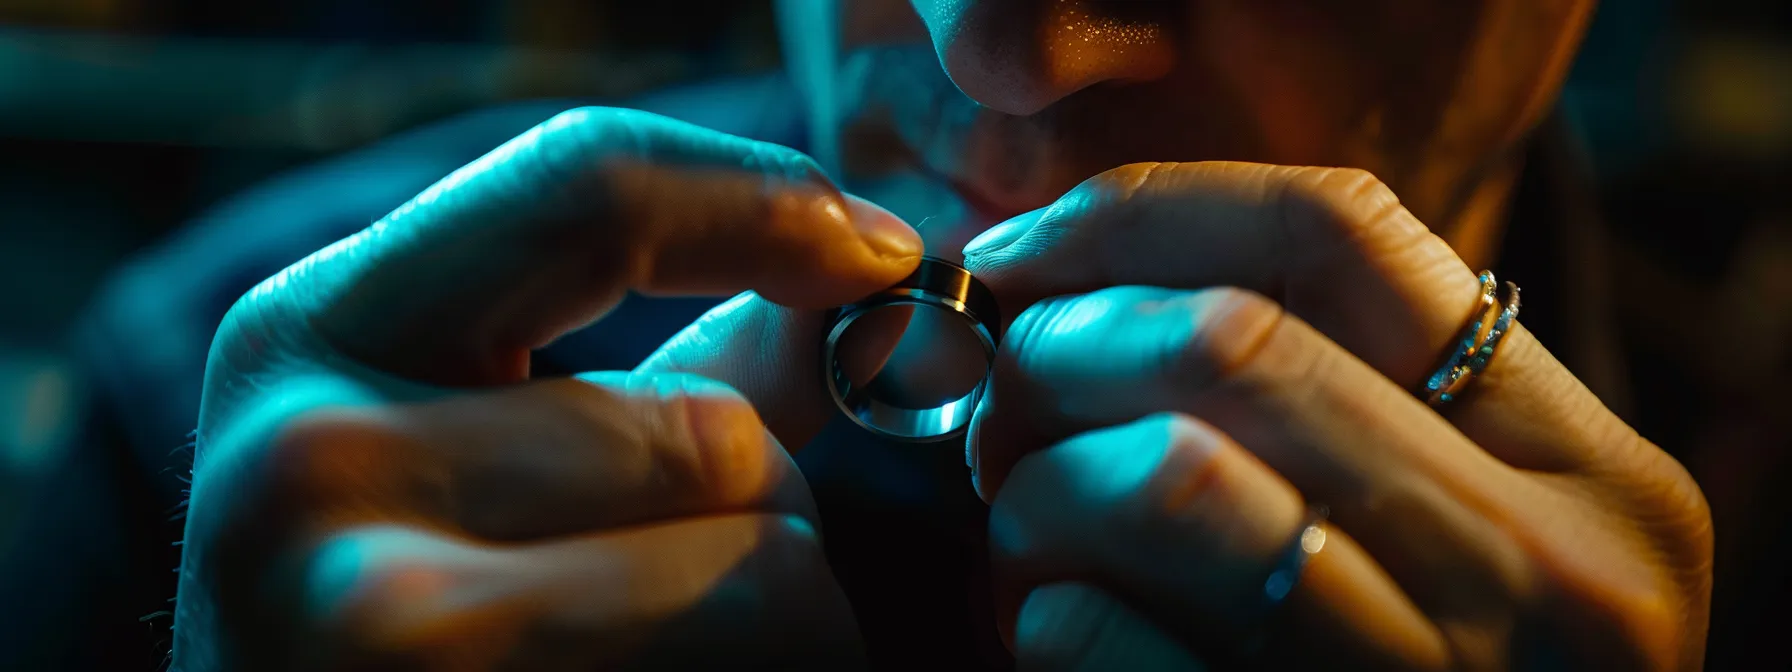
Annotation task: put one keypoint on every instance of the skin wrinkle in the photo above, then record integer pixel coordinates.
(1035, 325)
(1126, 191)
(1461, 614)
(1304, 398)
(668, 422)
(1222, 348)
(222, 569)
(1665, 503)
(1189, 493)
(1216, 470)
(1363, 237)
(1491, 633)
(1500, 526)
(1280, 219)
(1509, 570)
(400, 230)
(732, 467)
(1387, 211)
(1495, 554)
(329, 279)
(1329, 204)
(1599, 594)
(1518, 365)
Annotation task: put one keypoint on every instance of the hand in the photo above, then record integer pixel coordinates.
(380, 487)
(1248, 347)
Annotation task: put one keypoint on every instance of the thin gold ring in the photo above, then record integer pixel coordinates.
(1477, 343)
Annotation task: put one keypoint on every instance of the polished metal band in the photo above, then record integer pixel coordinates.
(1306, 543)
(1476, 344)
(937, 284)
(1259, 618)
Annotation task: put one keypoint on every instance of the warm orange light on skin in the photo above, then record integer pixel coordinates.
(1433, 97)
(1082, 48)
(457, 605)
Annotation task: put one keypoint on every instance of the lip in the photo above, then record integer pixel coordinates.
(987, 209)
(941, 121)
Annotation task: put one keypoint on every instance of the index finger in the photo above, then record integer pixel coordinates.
(552, 229)
(1334, 247)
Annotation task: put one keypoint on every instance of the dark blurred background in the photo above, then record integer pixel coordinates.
(122, 119)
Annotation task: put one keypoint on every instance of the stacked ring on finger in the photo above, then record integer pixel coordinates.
(1476, 344)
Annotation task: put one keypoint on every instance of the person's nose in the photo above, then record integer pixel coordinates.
(1019, 56)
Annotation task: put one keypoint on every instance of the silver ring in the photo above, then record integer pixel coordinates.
(937, 284)
(1307, 542)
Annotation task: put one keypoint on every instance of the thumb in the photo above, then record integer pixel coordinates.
(774, 355)
(770, 353)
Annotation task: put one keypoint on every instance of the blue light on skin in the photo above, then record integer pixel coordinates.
(1094, 475)
(344, 565)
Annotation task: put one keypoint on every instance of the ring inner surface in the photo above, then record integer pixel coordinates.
(910, 368)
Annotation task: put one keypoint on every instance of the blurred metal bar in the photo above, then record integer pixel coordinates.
(233, 93)
(809, 32)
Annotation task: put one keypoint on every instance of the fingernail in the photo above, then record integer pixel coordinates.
(1003, 235)
(886, 234)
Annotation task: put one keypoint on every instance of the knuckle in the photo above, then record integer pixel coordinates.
(687, 434)
(264, 329)
(1233, 328)
(1327, 209)
(778, 162)
(1194, 483)
(790, 550)
(606, 127)
(273, 485)
(1122, 182)
(601, 147)
(710, 437)
(1647, 625)
(1112, 190)
(387, 604)
(627, 135)
(1108, 193)
(1670, 510)
(591, 144)
(1680, 514)
(1337, 187)
(315, 457)
(1203, 496)
(1657, 503)
(1180, 480)
(1193, 458)
(1351, 181)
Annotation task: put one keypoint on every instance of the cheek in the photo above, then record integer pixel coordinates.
(881, 22)
(1290, 69)
(1376, 85)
